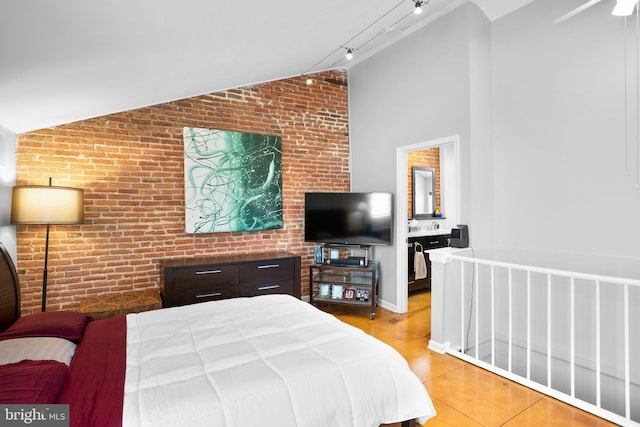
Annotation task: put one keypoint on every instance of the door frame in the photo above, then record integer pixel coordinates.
(402, 210)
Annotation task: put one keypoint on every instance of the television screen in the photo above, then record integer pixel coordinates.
(348, 218)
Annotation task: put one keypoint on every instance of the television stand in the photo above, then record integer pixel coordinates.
(347, 285)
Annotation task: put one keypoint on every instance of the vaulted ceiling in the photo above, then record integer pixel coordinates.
(68, 60)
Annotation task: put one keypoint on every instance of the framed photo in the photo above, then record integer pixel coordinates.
(362, 294)
(336, 291)
(350, 294)
(324, 290)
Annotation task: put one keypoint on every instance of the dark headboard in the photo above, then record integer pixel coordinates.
(9, 292)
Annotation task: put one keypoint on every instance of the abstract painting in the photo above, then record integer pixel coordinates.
(233, 181)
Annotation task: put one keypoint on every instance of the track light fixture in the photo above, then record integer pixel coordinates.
(418, 4)
(418, 8)
(349, 54)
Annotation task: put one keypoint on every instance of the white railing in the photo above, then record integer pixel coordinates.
(573, 336)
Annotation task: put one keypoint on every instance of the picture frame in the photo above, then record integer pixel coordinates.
(362, 294)
(233, 181)
(336, 291)
(349, 294)
(324, 290)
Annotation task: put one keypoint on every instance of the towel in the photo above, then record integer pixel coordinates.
(419, 265)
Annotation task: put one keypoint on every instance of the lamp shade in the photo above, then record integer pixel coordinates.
(41, 204)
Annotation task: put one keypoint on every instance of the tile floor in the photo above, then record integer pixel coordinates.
(463, 394)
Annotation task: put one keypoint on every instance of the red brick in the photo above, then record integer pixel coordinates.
(130, 165)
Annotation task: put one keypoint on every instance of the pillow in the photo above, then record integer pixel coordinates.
(36, 348)
(36, 382)
(62, 324)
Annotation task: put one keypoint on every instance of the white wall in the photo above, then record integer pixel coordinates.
(540, 110)
(422, 88)
(559, 135)
(7, 181)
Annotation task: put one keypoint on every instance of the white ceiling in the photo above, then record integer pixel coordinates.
(68, 60)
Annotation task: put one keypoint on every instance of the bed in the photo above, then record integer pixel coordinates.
(271, 360)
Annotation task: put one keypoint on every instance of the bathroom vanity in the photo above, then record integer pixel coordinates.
(424, 241)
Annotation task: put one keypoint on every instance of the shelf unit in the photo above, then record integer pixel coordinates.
(349, 285)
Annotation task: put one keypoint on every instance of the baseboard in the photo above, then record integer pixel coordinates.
(439, 347)
(387, 306)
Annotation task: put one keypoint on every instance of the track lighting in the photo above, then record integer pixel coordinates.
(624, 7)
(418, 4)
(349, 54)
(418, 9)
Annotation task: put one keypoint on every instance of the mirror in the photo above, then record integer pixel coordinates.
(423, 192)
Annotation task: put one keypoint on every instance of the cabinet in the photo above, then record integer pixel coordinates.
(336, 284)
(426, 243)
(191, 280)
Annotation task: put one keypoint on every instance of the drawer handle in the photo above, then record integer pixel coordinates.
(261, 267)
(267, 288)
(215, 294)
(209, 272)
(433, 243)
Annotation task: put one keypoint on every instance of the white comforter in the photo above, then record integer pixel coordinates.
(264, 361)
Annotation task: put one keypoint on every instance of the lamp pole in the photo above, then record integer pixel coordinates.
(46, 261)
(44, 273)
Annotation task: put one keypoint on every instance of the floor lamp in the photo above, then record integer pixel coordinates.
(46, 205)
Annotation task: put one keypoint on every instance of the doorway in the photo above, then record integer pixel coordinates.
(449, 205)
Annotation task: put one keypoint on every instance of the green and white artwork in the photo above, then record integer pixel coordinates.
(233, 181)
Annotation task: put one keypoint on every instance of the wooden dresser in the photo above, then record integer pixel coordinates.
(191, 280)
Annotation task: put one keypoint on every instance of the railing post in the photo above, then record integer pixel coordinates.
(463, 345)
(476, 276)
(493, 319)
(627, 371)
(441, 307)
(598, 349)
(572, 326)
(549, 330)
(510, 349)
(528, 324)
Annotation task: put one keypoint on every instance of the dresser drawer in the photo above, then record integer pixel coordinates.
(194, 296)
(277, 287)
(205, 277)
(267, 270)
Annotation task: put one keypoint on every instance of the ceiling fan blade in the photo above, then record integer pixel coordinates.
(576, 11)
(624, 7)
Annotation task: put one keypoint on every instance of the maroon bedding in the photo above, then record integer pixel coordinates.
(32, 381)
(100, 356)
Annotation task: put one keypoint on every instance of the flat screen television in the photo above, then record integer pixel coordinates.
(348, 218)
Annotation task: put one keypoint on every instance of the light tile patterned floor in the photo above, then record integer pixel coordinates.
(463, 394)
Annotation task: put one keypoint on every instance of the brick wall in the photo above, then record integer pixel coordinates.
(130, 165)
(426, 158)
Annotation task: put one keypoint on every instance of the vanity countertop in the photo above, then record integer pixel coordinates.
(422, 233)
